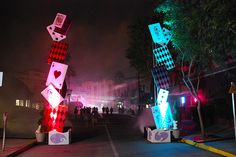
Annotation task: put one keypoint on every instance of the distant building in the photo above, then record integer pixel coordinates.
(16, 99)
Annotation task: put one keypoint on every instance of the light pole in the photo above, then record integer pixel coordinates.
(232, 90)
(5, 115)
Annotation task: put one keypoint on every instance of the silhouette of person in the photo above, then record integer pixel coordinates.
(111, 110)
(76, 112)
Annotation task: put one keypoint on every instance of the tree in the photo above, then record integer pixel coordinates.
(203, 32)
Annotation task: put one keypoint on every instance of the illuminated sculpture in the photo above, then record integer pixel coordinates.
(55, 112)
(163, 61)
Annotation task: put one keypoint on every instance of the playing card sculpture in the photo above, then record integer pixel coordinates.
(162, 63)
(55, 111)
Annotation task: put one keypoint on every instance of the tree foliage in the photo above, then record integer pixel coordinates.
(204, 31)
(139, 51)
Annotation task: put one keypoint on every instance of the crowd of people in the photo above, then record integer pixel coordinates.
(87, 115)
(107, 110)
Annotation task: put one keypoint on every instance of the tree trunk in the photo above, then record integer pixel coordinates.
(200, 119)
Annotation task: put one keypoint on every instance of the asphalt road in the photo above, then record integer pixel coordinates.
(114, 136)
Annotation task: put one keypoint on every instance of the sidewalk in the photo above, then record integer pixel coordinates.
(14, 146)
(219, 140)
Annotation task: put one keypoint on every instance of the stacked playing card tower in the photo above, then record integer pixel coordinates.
(163, 62)
(54, 110)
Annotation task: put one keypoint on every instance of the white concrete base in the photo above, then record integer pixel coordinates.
(158, 136)
(59, 138)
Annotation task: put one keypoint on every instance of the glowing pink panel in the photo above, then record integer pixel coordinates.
(57, 74)
(52, 96)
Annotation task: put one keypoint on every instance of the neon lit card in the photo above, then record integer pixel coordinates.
(156, 32)
(57, 74)
(54, 35)
(162, 116)
(59, 20)
(166, 36)
(162, 96)
(52, 96)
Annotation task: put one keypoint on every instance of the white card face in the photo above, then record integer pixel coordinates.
(54, 35)
(1, 76)
(162, 96)
(59, 20)
(52, 96)
(57, 74)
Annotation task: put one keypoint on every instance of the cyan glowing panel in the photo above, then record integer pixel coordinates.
(166, 36)
(162, 96)
(163, 56)
(159, 35)
(162, 116)
(156, 32)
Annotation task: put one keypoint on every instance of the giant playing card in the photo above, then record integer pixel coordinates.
(52, 96)
(57, 74)
(156, 32)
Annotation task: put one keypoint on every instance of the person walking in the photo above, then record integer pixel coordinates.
(107, 110)
(76, 112)
(111, 110)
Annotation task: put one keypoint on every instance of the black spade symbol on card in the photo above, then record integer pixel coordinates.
(57, 74)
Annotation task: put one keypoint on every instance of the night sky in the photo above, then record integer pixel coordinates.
(97, 38)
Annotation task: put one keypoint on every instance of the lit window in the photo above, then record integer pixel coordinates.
(22, 103)
(33, 105)
(27, 103)
(37, 106)
(19, 102)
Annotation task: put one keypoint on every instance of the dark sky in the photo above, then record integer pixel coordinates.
(97, 37)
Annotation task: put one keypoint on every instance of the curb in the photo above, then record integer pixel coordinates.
(208, 148)
(23, 149)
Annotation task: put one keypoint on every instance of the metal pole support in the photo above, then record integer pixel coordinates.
(5, 115)
(233, 103)
(232, 91)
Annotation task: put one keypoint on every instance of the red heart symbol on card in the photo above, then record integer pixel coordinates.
(57, 74)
